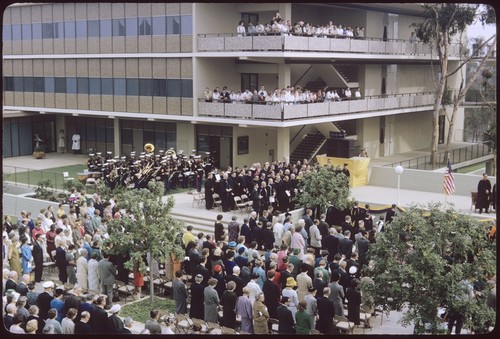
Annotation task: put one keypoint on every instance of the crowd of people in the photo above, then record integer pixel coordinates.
(280, 26)
(289, 95)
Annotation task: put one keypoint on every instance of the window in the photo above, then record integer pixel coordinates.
(145, 26)
(8, 84)
(159, 25)
(48, 31)
(173, 25)
(81, 29)
(160, 87)
(28, 84)
(26, 28)
(243, 145)
(58, 30)
(187, 88)
(60, 85)
(18, 84)
(69, 29)
(83, 85)
(49, 85)
(38, 84)
(107, 86)
(16, 32)
(174, 88)
(118, 27)
(94, 86)
(106, 26)
(119, 86)
(93, 27)
(186, 25)
(131, 26)
(36, 31)
(132, 86)
(145, 87)
(7, 32)
(71, 85)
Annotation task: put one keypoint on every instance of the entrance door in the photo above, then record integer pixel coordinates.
(389, 136)
(225, 152)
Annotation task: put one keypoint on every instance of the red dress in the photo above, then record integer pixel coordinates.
(138, 279)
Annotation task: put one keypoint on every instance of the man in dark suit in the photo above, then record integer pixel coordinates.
(237, 280)
(22, 287)
(44, 299)
(11, 283)
(61, 263)
(82, 326)
(201, 269)
(179, 292)
(331, 243)
(38, 257)
(390, 214)
(285, 317)
(272, 294)
(326, 312)
(345, 245)
(128, 323)
(114, 324)
(107, 271)
(99, 316)
(73, 300)
(362, 245)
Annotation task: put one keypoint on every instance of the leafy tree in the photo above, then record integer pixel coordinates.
(44, 189)
(324, 187)
(146, 227)
(443, 21)
(420, 263)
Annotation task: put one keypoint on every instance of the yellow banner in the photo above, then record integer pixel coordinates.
(358, 168)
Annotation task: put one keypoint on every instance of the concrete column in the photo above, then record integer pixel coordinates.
(283, 144)
(284, 76)
(186, 137)
(117, 137)
(61, 125)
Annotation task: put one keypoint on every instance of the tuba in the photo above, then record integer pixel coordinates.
(149, 148)
(171, 153)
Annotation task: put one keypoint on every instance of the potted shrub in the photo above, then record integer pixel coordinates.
(39, 152)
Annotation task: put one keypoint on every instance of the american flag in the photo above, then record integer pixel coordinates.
(449, 180)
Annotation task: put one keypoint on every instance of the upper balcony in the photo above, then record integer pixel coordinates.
(291, 111)
(329, 44)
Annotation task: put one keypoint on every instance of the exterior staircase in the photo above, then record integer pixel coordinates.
(308, 147)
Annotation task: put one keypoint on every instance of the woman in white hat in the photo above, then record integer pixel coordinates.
(291, 294)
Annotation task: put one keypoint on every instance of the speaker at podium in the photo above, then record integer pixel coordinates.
(341, 148)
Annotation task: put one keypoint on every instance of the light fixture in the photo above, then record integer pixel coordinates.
(399, 170)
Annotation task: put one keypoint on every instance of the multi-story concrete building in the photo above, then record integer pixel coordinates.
(127, 74)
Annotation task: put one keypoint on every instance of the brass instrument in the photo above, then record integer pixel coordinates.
(149, 148)
(145, 170)
(171, 153)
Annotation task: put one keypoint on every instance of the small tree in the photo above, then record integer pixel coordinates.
(44, 190)
(147, 227)
(324, 187)
(422, 260)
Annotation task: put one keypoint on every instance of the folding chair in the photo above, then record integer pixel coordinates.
(217, 201)
(126, 289)
(342, 325)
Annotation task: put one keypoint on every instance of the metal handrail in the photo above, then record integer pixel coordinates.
(31, 177)
(456, 156)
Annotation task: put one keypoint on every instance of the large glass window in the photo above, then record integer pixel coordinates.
(8, 84)
(18, 84)
(94, 86)
(173, 24)
(26, 28)
(60, 85)
(38, 84)
(71, 87)
(58, 30)
(83, 85)
(69, 29)
(28, 84)
(81, 29)
(16, 32)
(187, 88)
(132, 86)
(131, 26)
(186, 24)
(119, 86)
(118, 27)
(146, 87)
(49, 85)
(93, 28)
(160, 87)
(106, 30)
(48, 30)
(36, 31)
(174, 88)
(7, 32)
(159, 25)
(145, 26)
(107, 86)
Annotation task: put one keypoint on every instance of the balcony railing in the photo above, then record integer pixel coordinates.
(288, 111)
(295, 43)
(456, 156)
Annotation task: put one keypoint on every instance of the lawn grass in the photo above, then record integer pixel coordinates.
(139, 311)
(32, 177)
(471, 168)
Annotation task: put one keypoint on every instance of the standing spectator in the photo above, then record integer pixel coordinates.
(260, 315)
(94, 277)
(233, 229)
(68, 324)
(114, 324)
(353, 296)
(61, 263)
(22, 287)
(291, 294)
(17, 324)
(304, 322)
(179, 293)
(272, 293)
(197, 296)
(44, 299)
(238, 281)
(483, 194)
(304, 282)
(107, 271)
(76, 143)
(57, 303)
(152, 323)
(73, 300)
(11, 283)
(21, 308)
(51, 321)
(326, 313)
(82, 326)
(390, 214)
(128, 323)
(99, 316)
(211, 302)
(38, 258)
(8, 318)
(244, 310)
(14, 255)
(32, 295)
(33, 315)
(241, 29)
(285, 318)
(268, 236)
(31, 327)
(228, 303)
(71, 268)
(219, 228)
(82, 269)
(336, 294)
(278, 230)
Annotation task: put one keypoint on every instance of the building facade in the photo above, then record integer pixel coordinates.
(126, 74)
